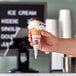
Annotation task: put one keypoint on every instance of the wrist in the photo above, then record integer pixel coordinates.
(60, 46)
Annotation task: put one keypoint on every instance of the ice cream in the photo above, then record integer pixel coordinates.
(35, 26)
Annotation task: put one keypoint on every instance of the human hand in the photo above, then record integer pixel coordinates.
(48, 42)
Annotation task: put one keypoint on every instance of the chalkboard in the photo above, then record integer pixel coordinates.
(14, 16)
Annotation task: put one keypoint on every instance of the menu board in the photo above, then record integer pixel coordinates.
(14, 16)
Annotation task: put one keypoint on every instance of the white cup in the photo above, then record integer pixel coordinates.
(65, 23)
(51, 26)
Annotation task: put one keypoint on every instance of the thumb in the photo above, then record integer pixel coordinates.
(45, 33)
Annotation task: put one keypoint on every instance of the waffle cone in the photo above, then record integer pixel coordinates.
(35, 31)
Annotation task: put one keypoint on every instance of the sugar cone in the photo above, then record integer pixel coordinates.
(36, 34)
(35, 31)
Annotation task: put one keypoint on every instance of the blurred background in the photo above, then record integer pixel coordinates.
(42, 64)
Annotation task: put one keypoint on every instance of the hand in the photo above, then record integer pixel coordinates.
(48, 42)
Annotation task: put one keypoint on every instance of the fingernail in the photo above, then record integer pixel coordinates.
(42, 32)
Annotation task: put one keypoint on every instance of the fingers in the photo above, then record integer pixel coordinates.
(45, 33)
(29, 33)
(31, 44)
(29, 36)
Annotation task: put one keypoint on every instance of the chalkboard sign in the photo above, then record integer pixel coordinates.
(14, 16)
